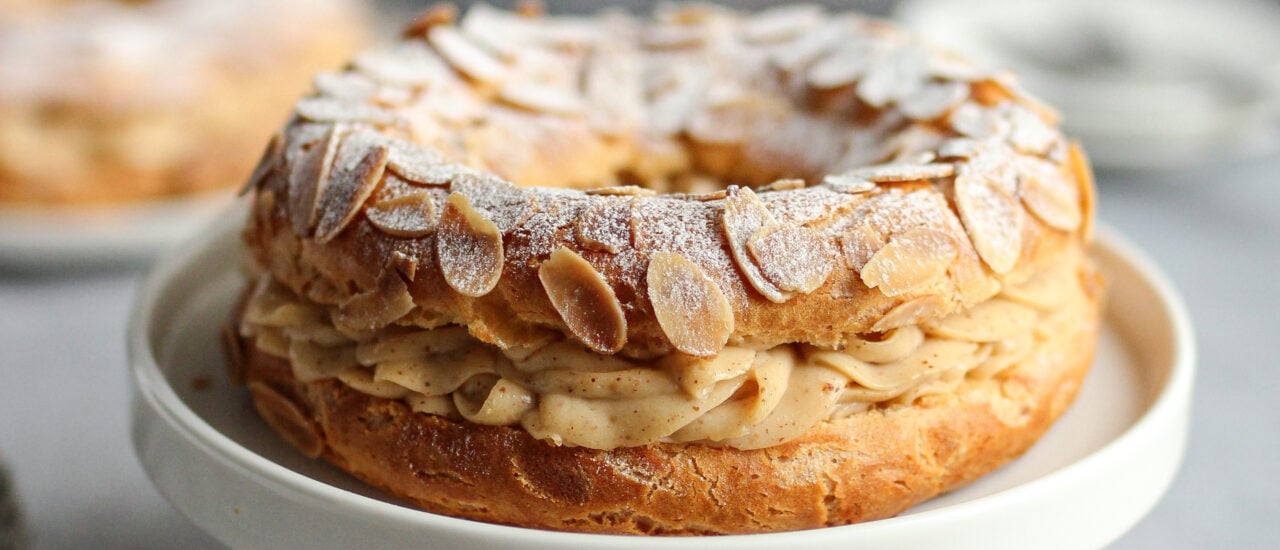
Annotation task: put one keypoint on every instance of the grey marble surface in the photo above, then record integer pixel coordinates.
(65, 392)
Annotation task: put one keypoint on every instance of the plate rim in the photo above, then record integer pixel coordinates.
(151, 386)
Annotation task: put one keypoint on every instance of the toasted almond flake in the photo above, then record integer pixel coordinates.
(469, 247)
(287, 418)
(270, 161)
(911, 312)
(405, 265)
(781, 23)
(669, 111)
(347, 87)
(422, 166)
(691, 309)
(793, 257)
(437, 15)
(785, 184)
(1028, 133)
(622, 191)
(702, 197)
(324, 109)
(842, 66)
(358, 167)
(844, 183)
(959, 148)
(947, 66)
(1079, 166)
(468, 58)
(727, 122)
(909, 261)
(992, 219)
(934, 100)
(976, 121)
(808, 47)
(1049, 195)
(308, 178)
(744, 215)
(899, 172)
(604, 226)
(376, 308)
(894, 76)
(613, 87)
(408, 216)
(540, 98)
(861, 243)
(668, 37)
(584, 300)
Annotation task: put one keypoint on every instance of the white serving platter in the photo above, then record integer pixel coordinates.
(1098, 471)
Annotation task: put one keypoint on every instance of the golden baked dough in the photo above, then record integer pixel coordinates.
(107, 100)
(659, 255)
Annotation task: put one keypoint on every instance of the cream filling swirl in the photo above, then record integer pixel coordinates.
(745, 397)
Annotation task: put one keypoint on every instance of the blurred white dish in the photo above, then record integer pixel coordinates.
(1146, 84)
(1096, 473)
(51, 237)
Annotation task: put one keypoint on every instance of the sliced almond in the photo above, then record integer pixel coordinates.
(785, 184)
(911, 260)
(796, 54)
(793, 257)
(899, 172)
(934, 100)
(842, 66)
(992, 219)
(408, 216)
(844, 183)
(405, 265)
(584, 300)
(1079, 166)
(465, 56)
(422, 166)
(542, 99)
(288, 418)
(271, 157)
(376, 307)
(469, 248)
(613, 87)
(861, 243)
(1049, 195)
(622, 190)
(435, 16)
(604, 226)
(348, 87)
(358, 168)
(325, 109)
(307, 179)
(781, 23)
(894, 76)
(744, 216)
(911, 312)
(691, 309)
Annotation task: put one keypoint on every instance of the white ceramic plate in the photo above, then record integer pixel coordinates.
(1094, 475)
(47, 238)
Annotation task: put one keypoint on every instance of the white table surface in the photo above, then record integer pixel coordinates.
(64, 391)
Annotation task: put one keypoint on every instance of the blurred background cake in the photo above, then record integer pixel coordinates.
(110, 101)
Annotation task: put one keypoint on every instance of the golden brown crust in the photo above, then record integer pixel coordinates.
(972, 182)
(871, 465)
